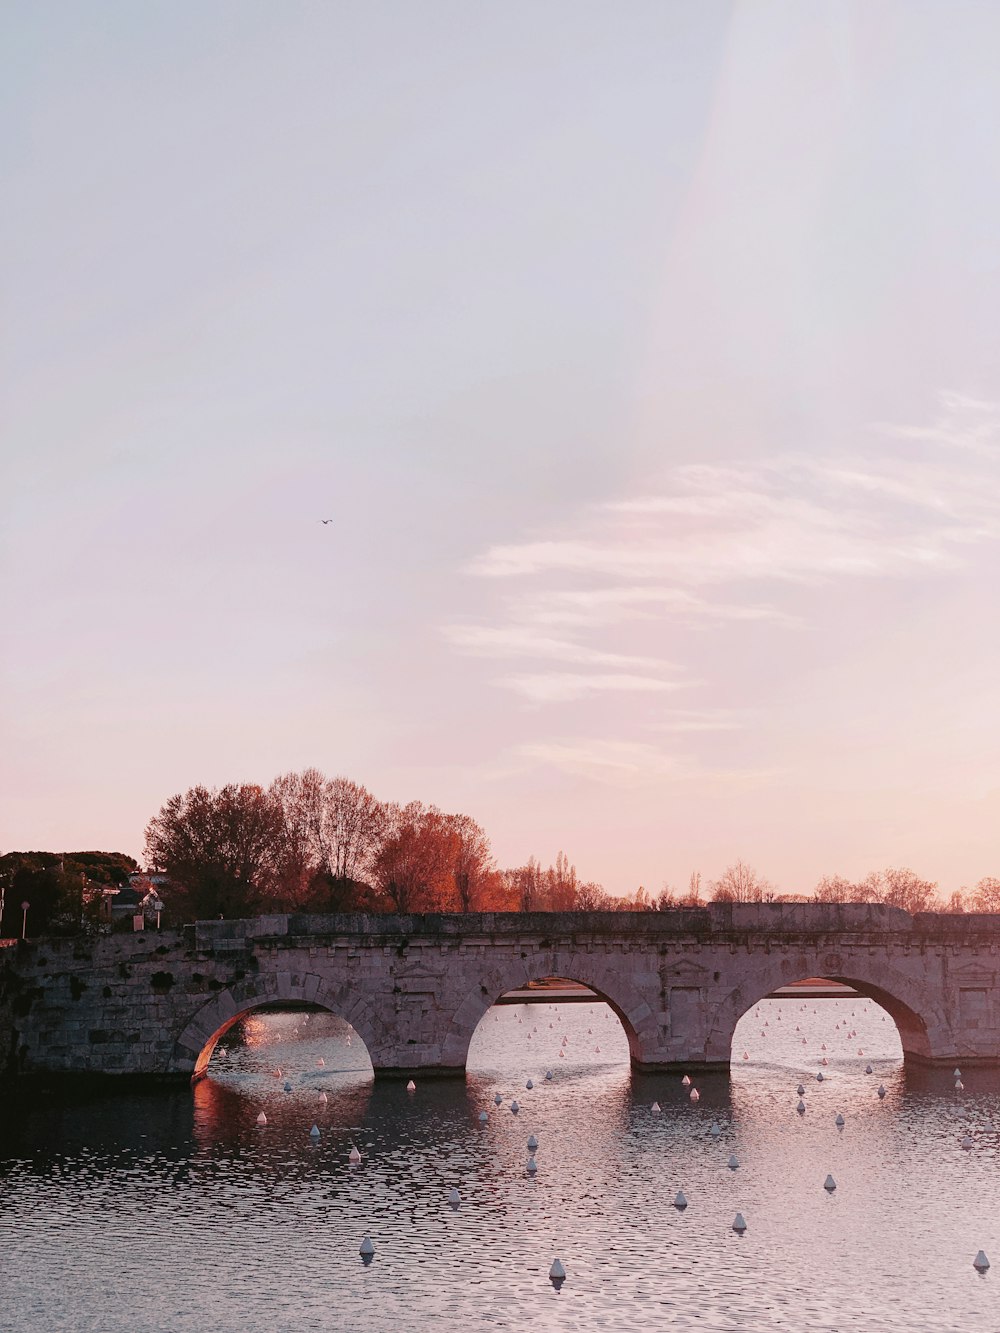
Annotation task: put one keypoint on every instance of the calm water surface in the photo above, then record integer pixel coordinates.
(171, 1210)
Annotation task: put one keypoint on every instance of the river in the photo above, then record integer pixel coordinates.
(170, 1208)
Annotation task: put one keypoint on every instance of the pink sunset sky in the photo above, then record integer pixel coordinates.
(645, 357)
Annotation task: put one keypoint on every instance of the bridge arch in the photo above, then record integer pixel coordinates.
(196, 1042)
(922, 1025)
(604, 980)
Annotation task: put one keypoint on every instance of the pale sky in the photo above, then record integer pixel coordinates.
(645, 355)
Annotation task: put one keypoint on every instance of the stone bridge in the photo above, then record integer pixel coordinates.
(415, 987)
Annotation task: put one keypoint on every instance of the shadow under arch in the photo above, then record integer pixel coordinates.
(193, 1048)
(914, 1013)
(609, 988)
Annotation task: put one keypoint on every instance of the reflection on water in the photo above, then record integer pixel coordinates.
(172, 1209)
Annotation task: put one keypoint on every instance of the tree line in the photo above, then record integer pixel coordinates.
(317, 844)
(309, 843)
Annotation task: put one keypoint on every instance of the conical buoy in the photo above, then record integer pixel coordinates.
(287, 1086)
(655, 1108)
(354, 1157)
(801, 1108)
(483, 1117)
(680, 1200)
(320, 1063)
(262, 1119)
(868, 1069)
(957, 1074)
(562, 1054)
(514, 1107)
(548, 1073)
(829, 1184)
(733, 1162)
(840, 1122)
(959, 1085)
(366, 1249)
(739, 1223)
(497, 1100)
(819, 1077)
(685, 1082)
(532, 1142)
(966, 1143)
(314, 1132)
(695, 1095)
(532, 1165)
(557, 1273)
(881, 1091)
(801, 1090)
(746, 1055)
(529, 1085)
(454, 1198)
(323, 1098)
(715, 1131)
(411, 1086)
(981, 1262)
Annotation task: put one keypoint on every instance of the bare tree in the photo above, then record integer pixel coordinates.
(986, 895)
(413, 866)
(740, 883)
(902, 888)
(472, 862)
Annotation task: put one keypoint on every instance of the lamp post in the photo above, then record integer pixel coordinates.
(24, 919)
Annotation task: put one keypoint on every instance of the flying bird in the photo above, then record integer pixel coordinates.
(326, 520)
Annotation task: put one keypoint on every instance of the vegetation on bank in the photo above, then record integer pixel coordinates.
(317, 844)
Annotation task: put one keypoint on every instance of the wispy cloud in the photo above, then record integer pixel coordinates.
(617, 593)
(627, 764)
(499, 641)
(559, 687)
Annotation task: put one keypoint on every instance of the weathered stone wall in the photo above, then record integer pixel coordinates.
(415, 988)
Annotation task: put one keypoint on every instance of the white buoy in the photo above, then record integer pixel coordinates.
(366, 1249)
(454, 1198)
(981, 1263)
(529, 1085)
(801, 1108)
(829, 1184)
(532, 1143)
(497, 1100)
(746, 1055)
(354, 1157)
(548, 1073)
(715, 1131)
(739, 1223)
(514, 1107)
(959, 1085)
(532, 1166)
(868, 1069)
(819, 1077)
(695, 1095)
(320, 1063)
(733, 1162)
(957, 1074)
(840, 1122)
(967, 1143)
(655, 1108)
(314, 1132)
(411, 1086)
(597, 1050)
(801, 1090)
(323, 1098)
(562, 1054)
(262, 1119)
(680, 1200)
(881, 1091)
(483, 1117)
(287, 1086)
(557, 1273)
(685, 1082)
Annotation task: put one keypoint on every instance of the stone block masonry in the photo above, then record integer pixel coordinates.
(415, 987)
